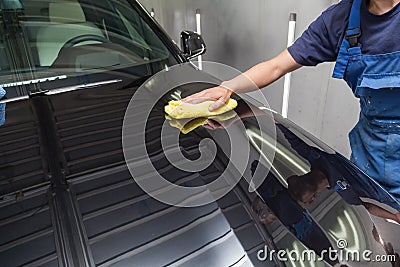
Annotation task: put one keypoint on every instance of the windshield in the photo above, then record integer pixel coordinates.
(49, 40)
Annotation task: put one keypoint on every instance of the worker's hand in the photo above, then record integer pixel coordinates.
(219, 94)
(263, 212)
(397, 217)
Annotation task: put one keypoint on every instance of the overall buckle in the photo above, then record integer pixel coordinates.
(352, 35)
(341, 185)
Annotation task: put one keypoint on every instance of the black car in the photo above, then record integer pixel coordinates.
(69, 70)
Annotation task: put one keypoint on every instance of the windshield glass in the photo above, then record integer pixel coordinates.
(49, 40)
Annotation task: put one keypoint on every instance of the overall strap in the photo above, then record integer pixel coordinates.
(350, 44)
(353, 31)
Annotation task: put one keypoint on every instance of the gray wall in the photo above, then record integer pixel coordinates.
(243, 33)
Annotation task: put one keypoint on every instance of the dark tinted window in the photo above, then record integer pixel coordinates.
(52, 38)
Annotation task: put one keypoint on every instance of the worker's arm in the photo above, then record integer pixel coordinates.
(382, 213)
(257, 77)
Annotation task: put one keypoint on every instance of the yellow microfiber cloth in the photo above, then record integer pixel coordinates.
(187, 125)
(183, 110)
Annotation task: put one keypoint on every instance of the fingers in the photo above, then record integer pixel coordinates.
(397, 216)
(215, 94)
(216, 105)
(207, 94)
(190, 98)
(198, 99)
(220, 101)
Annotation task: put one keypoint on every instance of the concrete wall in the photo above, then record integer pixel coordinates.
(243, 33)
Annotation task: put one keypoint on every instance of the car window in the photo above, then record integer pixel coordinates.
(51, 40)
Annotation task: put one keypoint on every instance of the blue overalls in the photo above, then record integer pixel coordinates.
(375, 80)
(2, 107)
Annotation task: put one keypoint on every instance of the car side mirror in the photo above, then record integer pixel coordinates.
(192, 44)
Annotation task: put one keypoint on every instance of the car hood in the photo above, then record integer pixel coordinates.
(65, 184)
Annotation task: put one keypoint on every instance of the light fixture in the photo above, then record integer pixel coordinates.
(198, 30)
(286, 84)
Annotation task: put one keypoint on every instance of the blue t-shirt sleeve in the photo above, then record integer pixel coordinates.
(2, 107)
(321, 41)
